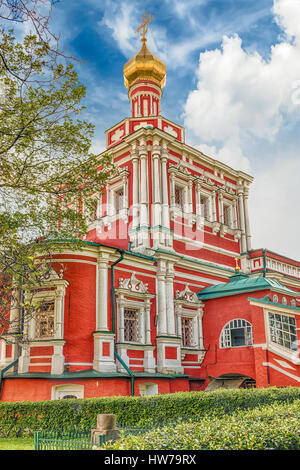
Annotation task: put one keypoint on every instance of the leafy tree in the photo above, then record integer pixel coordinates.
(49, 179)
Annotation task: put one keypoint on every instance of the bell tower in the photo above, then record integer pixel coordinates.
(144, 77)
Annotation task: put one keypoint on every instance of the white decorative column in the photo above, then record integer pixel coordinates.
(58, 359)
(24, 360)
(103, 338)
(234, 221)
(168, 344)
(102, 292)
(190, 196)
(221, 208)
(147, 321)
(247, 223)
(161, 299)
(156, 213)
(144, 201)
(242, 217)
(170, 300)
(164, 185)
(135, 195)
(59, 304)
(198, 205)
(214, 207)
(165, 198)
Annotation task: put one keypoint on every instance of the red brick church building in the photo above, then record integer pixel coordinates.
(168, 294)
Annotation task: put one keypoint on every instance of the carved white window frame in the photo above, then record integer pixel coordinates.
(52, 292)
(115, 184)
(133, 295)
(188, 306)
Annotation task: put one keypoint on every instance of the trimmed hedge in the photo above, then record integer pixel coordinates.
(25, 417)
(273, 426)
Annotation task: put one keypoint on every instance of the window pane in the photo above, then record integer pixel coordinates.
(178, 197)
(283, 331)
(131, 325)
(45, 320)
(238, 337)
(186, 332)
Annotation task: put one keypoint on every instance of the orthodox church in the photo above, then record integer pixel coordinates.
(168, 294)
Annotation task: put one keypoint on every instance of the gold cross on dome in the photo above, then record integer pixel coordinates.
(145, 28)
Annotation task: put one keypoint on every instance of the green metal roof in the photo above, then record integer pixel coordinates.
(240, 283)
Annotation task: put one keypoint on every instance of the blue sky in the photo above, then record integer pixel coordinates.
(233, 80)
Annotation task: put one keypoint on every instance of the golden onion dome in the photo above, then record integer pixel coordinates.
(144, 65)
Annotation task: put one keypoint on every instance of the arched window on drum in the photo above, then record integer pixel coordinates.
(236, 333)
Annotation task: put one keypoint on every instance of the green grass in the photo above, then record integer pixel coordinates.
(20, 443)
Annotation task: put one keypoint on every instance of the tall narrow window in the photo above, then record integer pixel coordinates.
(204, 202)
(119, 200)
(227, 216)
(45, 320)
(131, 325)
(179, 197)
(186, 332)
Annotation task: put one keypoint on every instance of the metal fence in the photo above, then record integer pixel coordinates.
(75, 439)
(63, 440)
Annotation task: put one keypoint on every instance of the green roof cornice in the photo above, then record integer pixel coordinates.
(240, 283)
(265, 300)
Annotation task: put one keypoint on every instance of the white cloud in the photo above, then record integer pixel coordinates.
(287, 16)
(120, 18)
(242, 97)
(273, 205)
(240, 93)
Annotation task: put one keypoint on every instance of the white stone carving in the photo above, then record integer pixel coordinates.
(133, 284)
(187, 295)
(117, 135)
(170, 130)
(141, 125)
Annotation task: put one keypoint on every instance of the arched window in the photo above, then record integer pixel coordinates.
(275, 298)
(148, 388)
(237, 332)
(67, 391)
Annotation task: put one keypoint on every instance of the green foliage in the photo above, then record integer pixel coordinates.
(49, 179)
(273, 426)
(144, 412)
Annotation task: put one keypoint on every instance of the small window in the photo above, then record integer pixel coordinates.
(148, 388)
(186, 332)
(131, 326)
(45, 320)
(204, 202)
(227, 216)
(179, 197)
(236, 333)
(67, 392)
(284, 300)
(275, 298)
(293, 303)
(119, 195)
